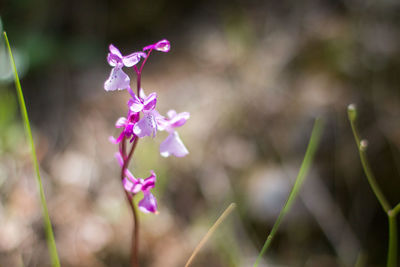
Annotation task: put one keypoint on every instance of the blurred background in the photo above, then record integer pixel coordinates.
(254, 75)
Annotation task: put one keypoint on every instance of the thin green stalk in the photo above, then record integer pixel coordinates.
(391, 213)
(305, 166)
(362, 147)
(396, 210)
(46, 218)
(392, 252)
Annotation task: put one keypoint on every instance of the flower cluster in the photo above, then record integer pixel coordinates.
(142, 120)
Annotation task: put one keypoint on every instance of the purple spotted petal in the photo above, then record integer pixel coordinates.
(117, 80)
(148, 203)
(132, 59)
(173, 145)
(146, 126)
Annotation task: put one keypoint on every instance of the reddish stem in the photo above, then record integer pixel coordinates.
(135, 234)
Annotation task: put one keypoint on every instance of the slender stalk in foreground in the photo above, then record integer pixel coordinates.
(210, 232)
(362, 146)
(46, 218)
(305, 166)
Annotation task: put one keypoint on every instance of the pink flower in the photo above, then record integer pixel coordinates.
(163, 46)
(118, 78)
(136, 185)
(149, 202)
(148, 125)
(127, 124)
(173, 145)
(144, 103)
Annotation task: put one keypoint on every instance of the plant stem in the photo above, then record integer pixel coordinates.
(362, 147)
(396, 210)
(135, 238)
(135, 233)
(309, 156)
(391, 213)
(392, 250)
(51, 244)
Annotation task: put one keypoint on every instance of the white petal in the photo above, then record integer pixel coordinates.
(117, 80)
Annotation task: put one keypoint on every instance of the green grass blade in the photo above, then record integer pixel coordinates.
(305, 166)
(46, 219)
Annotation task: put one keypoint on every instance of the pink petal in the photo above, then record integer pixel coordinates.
(132, 59)
(117, 80)
(131, 186)
(135, 104)
(178, 119)
(114, 51)
(142, 95)
(113, 60)
(173, 145)
(146, 126)
(150, 102)
(149, 182)
(118, 156)
(163, 46)
(113, 140)
(148, 203)
(121, 122)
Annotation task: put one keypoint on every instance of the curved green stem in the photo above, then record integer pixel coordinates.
(362, 147)
(391, 213)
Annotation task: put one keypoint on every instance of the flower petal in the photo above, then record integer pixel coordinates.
(149, 182)
(135, 104)
(132, 59)
(115, 51)
(113, 60)
(173, 145)
(150, 102)
(131, 186)
(178, 119)
(113, 140)
(117, 80)
(163, 46)
(118, 156)
(146, 126)
(148, 203)
(121, 122)
(142, 95)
